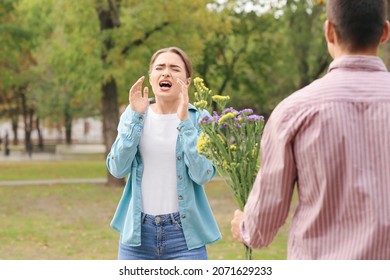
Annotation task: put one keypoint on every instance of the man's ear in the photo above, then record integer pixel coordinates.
(329, 32)
(386, 33)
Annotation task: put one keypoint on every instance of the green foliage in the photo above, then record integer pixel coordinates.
(59, 51)
(258, 58)
(69, 66)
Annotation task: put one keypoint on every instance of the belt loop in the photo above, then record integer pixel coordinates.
(143, 217)
(171, 218)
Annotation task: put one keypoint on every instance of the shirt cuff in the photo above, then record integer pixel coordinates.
(244, 234)
(136, 117)
(185, 125)
(131, 120)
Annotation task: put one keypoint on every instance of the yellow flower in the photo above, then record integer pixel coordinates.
(202, 104)
(220, 98)
(203, 143)
(198, 80)
(226, 117)
(225, 164)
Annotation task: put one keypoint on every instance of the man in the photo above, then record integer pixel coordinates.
(331, 139)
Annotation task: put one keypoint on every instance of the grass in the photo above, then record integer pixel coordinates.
(72, 221)
(64, 169)
(57, 222)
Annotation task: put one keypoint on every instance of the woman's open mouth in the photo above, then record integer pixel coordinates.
(165, 84)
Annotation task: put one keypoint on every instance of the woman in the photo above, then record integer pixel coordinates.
(164, 212)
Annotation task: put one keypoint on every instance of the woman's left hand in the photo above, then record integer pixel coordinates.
(182, 109)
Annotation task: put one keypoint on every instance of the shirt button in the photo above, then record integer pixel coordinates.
(180, 177)
(112, 157)
(179, 158)
(180, 197)
(141, 118)
(183, 216)
(208, 171)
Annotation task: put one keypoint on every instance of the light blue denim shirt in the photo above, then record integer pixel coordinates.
(193, 171)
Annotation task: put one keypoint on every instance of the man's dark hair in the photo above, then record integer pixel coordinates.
(358, 23)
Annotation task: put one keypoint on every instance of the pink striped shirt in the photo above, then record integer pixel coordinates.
(331, 139)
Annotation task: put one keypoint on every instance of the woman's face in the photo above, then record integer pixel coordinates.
(166, 69)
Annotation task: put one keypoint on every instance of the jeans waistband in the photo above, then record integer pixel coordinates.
(161, 219)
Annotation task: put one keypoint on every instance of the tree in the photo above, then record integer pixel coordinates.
(67, 83)
(16, 62)
(260, 55)
(239, 55)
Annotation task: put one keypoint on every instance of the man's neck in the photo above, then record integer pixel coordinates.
(339, 52)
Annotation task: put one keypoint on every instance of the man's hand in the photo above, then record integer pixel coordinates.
(235, 225)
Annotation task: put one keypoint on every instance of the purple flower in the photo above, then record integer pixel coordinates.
(206, 119)
(246, 112)
(229, 110)
(255, 118)
(216, 117)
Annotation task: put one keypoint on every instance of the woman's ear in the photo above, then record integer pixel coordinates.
(188, 81)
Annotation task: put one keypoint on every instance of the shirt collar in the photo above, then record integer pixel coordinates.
(358, 62)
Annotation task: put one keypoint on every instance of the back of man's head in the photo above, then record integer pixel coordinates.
(358, 23)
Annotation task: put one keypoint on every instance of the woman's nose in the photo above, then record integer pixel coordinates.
(166, 73)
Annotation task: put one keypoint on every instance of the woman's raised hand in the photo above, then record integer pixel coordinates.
(139, 101)
(182, 109)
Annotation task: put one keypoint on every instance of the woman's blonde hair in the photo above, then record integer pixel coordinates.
(179, 52)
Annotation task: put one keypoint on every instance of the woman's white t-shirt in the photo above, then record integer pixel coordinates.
(158, 151)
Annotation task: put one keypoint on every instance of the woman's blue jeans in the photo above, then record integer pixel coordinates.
(162, 238)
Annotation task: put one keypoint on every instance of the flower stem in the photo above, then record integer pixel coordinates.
(248, 252)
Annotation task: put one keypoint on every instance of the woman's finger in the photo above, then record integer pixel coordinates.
(137, 85)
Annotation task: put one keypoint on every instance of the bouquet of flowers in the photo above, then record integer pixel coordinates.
(231, 140)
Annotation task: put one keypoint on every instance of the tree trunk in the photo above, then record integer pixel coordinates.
(40, 137)
(109, 19)
(15, 120)
(28, 114)
(68, 126)
(110, 121)
(28, 130)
